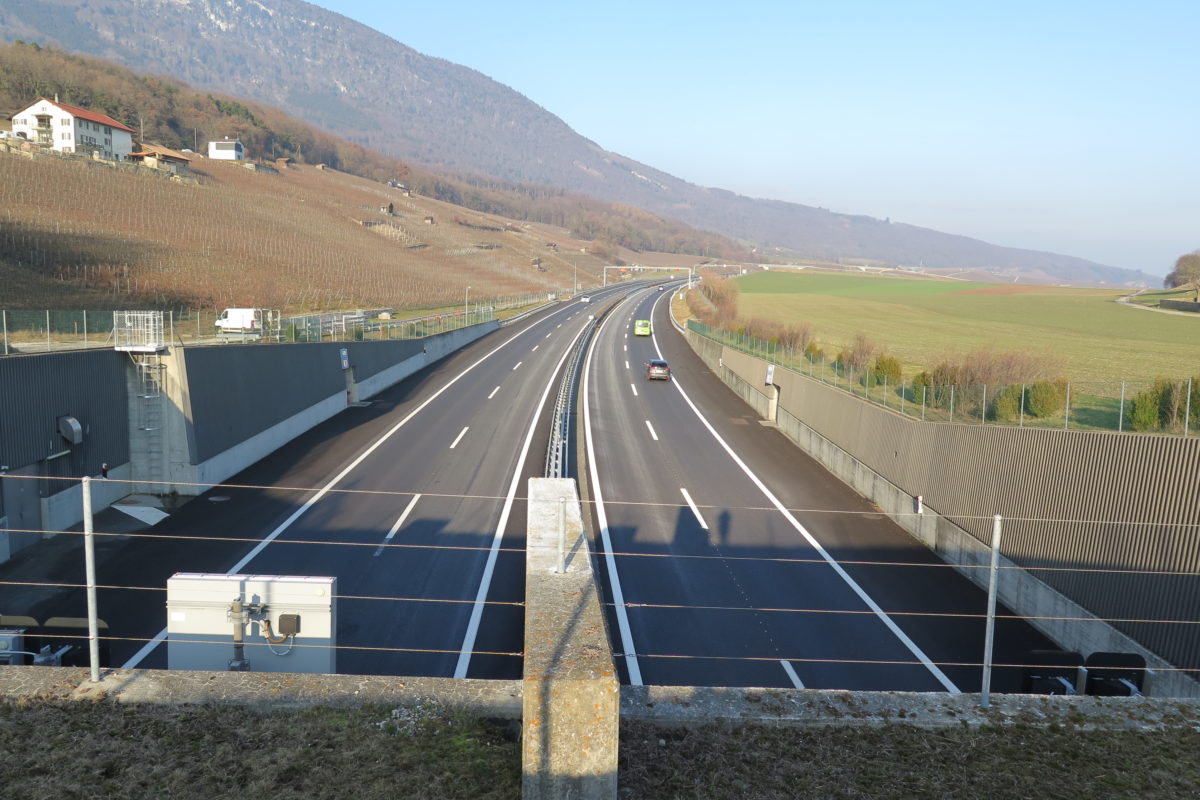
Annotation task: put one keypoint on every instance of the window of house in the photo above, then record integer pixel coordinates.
(64, 121)
(66, 136)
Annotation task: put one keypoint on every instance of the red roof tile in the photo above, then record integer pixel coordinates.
(91, 116)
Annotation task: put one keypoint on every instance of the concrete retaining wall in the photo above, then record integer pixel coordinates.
(1179, 305)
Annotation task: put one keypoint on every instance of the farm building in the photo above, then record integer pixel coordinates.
(227, 150)
(162, 158)
(70, 129)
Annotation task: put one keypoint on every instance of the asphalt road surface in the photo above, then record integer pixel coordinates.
(727, 556)
(722, 545)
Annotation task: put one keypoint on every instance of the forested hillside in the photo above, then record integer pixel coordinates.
(360, 84)
(165, 111)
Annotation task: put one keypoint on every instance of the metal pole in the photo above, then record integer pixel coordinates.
(1187, 408)
(562, 535)
(1067, 410)
(4, 320)
(983, 411)
(989, 636)
(924, 389)
(1121, 412)
(1022, 420)
(85, 329)
(47, 329)
(89, 560)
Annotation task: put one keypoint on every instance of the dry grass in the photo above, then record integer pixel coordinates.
(110, 750)
(75, 234)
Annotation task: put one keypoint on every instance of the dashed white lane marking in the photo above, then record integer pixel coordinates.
(493, 394)
(692, 505)
(461, 434)
(559, 325)
(551, 333)
(625, 347)
(519, 363)
(489, 568)
(535, 347)
(652, 433)
(791, 673)
(634, 388)
(626, 365)
(399, 523)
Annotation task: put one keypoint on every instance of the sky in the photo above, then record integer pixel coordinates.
(1065, 126)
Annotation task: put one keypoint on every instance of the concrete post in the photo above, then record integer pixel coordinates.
(571, 695)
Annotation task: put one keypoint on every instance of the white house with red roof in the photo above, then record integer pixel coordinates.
(70, 129)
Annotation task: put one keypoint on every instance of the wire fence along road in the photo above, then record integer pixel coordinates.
(117, 634)
(48, 330)
(1163, 406)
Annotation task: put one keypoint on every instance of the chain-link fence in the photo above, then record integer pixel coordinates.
(1142, 406)
(48, 331)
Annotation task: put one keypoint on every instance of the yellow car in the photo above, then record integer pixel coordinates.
(642, 327)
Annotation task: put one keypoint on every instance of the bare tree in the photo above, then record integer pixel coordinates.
(1186, 273)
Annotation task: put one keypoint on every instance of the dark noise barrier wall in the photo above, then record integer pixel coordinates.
(1104, 526)
(217, 410)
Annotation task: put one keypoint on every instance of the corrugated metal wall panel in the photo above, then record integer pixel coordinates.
(35, 390)
(1079, 502)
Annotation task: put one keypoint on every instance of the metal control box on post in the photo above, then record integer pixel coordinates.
(261, 623)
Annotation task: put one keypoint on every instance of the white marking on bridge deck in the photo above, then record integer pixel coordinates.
(461, 434)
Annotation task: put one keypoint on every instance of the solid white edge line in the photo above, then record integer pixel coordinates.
(634, 389)
(841, 572)
(399, 522)
(149, 646)
(485, 582)
(651, 428)
(791, 673)
(692, 505)
(458, 438)
(493, 394)
(618, 597)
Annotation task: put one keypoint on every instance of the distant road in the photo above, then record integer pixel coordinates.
(1125, 301)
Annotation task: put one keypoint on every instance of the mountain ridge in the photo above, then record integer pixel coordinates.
(370, 89)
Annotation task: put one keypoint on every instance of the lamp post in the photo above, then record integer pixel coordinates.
(466, 294)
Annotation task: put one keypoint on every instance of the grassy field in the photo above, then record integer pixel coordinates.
(116, 750)
(1084, 333)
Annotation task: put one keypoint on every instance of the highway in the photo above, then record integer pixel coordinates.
(419, 521)
(722, 542)
(727, 557)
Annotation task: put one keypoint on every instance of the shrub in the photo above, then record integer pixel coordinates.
(886, 370)
(1047, 398)
(1007, 405)
(796, 336)
(1171, 399)
(813, 352)
(1144, 410)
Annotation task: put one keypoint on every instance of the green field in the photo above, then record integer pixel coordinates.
(1083, 333)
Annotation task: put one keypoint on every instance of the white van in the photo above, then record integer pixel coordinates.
(242, 320)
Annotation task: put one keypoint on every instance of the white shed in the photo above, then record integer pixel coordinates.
(227, 150)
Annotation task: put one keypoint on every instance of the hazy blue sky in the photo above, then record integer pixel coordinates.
(1064, 126)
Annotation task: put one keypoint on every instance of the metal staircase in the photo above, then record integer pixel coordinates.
(140, 333)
